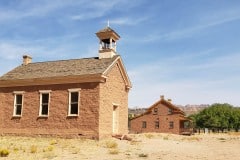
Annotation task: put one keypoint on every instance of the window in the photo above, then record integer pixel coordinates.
(157, 124)
(170, 111)
(144, 124)
(74, 95)
(186, 124)
(44, 103)
(171, 125)
(155, 111)
(18, 103)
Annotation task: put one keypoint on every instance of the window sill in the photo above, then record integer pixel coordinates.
(43, 116)
(17, 116)
(73, 115)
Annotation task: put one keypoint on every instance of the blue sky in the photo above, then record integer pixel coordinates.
(187, 50)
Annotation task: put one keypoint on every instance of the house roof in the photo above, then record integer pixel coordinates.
(86, 67)
(59, 68)
(166, 103)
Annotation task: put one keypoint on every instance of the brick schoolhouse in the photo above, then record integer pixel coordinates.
(78, 97)
(162, 117)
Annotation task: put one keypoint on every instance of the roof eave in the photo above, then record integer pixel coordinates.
(53, 80)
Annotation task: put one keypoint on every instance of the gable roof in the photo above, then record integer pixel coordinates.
(73, 69)
(166, 103)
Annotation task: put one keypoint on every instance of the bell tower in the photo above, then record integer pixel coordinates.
(107, 42)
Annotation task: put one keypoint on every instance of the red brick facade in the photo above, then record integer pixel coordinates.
(162, 117)
(95, 110)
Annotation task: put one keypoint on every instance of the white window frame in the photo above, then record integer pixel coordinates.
(69, 100)
(171, 124)
(40, 105)
(15, 101)
(144, 124)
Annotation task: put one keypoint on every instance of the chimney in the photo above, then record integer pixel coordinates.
(162, 97)
(27, 59)
(170, 100)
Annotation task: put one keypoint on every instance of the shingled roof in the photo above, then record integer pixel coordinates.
(107, 29)
(62, 68)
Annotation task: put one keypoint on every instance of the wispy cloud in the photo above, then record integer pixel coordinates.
(205, 22)
(25, 8)
(95, 9)
(187, 82)
(129, 20)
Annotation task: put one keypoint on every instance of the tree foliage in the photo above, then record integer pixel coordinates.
(218, 117)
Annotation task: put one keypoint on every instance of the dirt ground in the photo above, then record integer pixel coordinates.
(143, 146)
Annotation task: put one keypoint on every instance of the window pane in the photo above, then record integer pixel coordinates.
(171, 124)
(74, 97)
(144, 124)
(74, 109)
(18, 109)
(45, 98)
(44, 109)
(170, 111)
(156, 124)
(19, 99)
(155, 110)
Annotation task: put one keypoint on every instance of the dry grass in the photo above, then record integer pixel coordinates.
(234, 133)
(192, 138)
(149, 136)
(143, 146)
(113, 151)
(111, 144)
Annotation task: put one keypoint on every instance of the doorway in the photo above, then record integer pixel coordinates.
(115, 119)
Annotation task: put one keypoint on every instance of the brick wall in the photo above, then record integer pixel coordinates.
(162, 117)
(113, 92)
(57, 122)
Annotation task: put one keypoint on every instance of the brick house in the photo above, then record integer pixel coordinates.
(162, 117)
(77, 97)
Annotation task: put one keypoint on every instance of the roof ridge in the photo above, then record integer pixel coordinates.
(64, 60)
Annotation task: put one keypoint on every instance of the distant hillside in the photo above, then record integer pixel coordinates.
(192, 109)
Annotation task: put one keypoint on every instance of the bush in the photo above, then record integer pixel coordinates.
(143, 155)
(111, 144)
(53, 142)
(48, 149)
(4, 153)
(33, 149)
(113, 151)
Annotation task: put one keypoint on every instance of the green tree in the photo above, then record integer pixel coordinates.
(218, 117)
